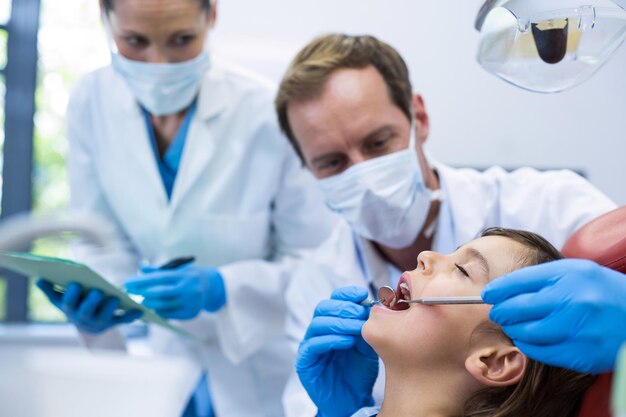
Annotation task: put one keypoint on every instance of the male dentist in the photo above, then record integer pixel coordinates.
(347, 105)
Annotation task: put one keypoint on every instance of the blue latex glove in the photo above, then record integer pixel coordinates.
(180, 293)
(569, 313)
(335, 365)
(91, 312)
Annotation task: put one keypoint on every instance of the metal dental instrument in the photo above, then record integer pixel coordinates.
(386, 295)
(446, 300)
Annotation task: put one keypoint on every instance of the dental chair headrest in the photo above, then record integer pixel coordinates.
(603, 240)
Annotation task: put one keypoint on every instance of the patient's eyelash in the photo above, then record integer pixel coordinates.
(463, 271)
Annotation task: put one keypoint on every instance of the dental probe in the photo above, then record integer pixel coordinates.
(446, 300)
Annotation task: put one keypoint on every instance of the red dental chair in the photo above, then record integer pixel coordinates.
(603, 240)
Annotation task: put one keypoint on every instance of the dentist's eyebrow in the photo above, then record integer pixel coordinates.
(387, 129)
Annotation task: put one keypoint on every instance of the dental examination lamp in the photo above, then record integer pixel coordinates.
(548, 46)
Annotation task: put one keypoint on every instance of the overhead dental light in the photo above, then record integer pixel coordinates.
(549, 46)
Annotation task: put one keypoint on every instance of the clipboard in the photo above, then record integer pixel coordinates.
(62, 272)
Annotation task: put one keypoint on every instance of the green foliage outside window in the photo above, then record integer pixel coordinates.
(71, 43)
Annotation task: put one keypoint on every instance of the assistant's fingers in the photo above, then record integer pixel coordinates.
(87, 307)
(128, 317)
(138, 284)
(71, 299)
(525, 307)
(548, 331)
(107, 310)
(525, 280)
(161, 304)
(163, 292)
(47, 288)
(567, 355)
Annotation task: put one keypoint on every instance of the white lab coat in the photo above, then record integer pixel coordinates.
(241, 202)
(554, 204)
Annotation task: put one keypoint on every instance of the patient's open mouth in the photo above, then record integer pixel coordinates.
(402, 293)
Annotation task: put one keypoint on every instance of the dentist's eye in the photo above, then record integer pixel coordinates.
(463, 271)
(136, 41)
(183, 40)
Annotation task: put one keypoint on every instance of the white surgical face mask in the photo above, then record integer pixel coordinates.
(161, 89)
(383, 199)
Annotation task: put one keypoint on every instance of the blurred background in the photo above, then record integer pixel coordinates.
(477, 120)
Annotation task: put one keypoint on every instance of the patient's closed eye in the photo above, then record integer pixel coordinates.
(462, 270)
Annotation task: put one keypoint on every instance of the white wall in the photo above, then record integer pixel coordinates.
(477, 120)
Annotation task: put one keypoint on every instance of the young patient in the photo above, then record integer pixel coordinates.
(450, 360)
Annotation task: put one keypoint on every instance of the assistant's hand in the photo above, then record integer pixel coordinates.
(179, 293)
(335, 365)
(569, 313)
(93, 312)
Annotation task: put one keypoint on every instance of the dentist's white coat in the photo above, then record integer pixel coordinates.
(554, 204)
(241, 202)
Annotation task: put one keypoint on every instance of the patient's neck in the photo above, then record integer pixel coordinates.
(416, 393)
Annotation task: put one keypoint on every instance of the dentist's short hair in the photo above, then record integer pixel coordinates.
(316, 62)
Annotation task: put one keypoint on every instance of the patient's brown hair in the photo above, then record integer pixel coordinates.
(544, 391)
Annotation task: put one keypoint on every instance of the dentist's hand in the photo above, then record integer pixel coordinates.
(93, 312)
(569, 313)
(179, 293)
(335, 365)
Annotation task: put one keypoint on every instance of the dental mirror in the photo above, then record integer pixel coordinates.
(386, 296)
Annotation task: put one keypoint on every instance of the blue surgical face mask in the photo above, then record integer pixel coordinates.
(383, 199)
(161, 89)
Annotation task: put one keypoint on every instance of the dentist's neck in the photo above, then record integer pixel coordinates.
(405, 259)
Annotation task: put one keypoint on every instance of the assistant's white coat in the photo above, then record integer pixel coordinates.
(241, 202)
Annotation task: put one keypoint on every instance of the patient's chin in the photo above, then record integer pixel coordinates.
(375, 334)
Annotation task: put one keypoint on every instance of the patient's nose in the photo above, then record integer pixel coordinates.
(426, 262)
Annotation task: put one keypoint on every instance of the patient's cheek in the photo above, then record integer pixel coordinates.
(443, 288)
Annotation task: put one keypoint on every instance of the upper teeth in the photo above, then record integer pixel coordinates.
(404, 291)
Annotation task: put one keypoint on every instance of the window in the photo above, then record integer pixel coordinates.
(5, 11)
(21, 20)
(70, 43)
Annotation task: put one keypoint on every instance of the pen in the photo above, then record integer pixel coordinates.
(177, 262)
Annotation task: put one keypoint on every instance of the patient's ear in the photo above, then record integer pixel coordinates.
(497, 366)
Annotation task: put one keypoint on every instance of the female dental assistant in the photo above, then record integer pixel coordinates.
(184, 157)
